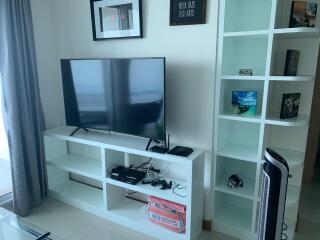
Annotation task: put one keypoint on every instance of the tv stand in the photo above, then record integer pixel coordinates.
(77, 129)
(92, 155)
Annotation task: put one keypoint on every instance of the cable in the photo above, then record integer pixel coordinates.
(177, 186)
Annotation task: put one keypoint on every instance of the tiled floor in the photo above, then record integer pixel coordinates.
(5, 177)
(309, 219)
(73, 224)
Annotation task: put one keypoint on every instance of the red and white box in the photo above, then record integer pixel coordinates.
(167, 214)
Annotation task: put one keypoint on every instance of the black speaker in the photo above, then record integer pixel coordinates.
(273, 199)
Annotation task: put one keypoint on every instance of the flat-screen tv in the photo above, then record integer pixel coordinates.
(120, 95)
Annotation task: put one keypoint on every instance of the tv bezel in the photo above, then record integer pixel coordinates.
(164, 133)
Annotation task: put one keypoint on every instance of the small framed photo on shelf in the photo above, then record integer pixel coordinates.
(187, 12)
(303, 13)
(244, 103)
(116, 19)
(292, 62)
(245, 72)
(290, 105)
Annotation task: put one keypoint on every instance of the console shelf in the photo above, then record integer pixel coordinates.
(78, 174)
(155, 191)
(78, 193)
(90, 168)
(130, 213)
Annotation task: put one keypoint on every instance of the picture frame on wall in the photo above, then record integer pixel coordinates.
(116, 19)
(188, 12)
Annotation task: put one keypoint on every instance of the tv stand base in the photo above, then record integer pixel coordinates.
(77, 129)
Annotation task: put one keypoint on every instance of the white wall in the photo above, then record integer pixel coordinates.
(63, 30)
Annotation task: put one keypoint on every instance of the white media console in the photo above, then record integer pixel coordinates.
(90, 156)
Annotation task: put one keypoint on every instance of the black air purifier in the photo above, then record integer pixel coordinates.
(273, 199)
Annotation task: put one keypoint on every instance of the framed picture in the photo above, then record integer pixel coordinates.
(290, 105)
(187, 12)
(244, 103)
(116, 19)
(292, 62)
(303, 13)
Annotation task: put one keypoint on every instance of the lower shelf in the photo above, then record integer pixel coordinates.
(80, 193)
(239, 151)
(233, 211)
(131, 214)
(247, 191)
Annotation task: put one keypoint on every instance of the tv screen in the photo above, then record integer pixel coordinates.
(120, 95)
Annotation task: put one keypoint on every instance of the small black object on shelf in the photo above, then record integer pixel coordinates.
(292, 63)
(181, 151)
(127, 175)
(235, 181)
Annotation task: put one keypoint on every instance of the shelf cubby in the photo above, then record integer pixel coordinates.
(227, 87)
(132, 211)
(292, 140)
(245, 52)
(62, 187)
(238, 140)
(245, 170)
(308, 48)
(233, 211)
(74, 157)
(247, 15)
(278, 88)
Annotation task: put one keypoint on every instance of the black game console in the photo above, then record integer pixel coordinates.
(181, 151)
(127, 175)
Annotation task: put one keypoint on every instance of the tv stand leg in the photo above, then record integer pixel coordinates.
(77, 129)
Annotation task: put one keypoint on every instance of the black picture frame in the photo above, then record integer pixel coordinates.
(188, 12)
(290, 105)
(138, 23)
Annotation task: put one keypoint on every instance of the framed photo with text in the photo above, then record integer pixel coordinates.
(116, 19)
(187, 12)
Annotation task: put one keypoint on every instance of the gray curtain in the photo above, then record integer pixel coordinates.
(23, 113)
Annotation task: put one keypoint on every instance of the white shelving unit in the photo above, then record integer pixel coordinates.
(78, 172)
(254, 34)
